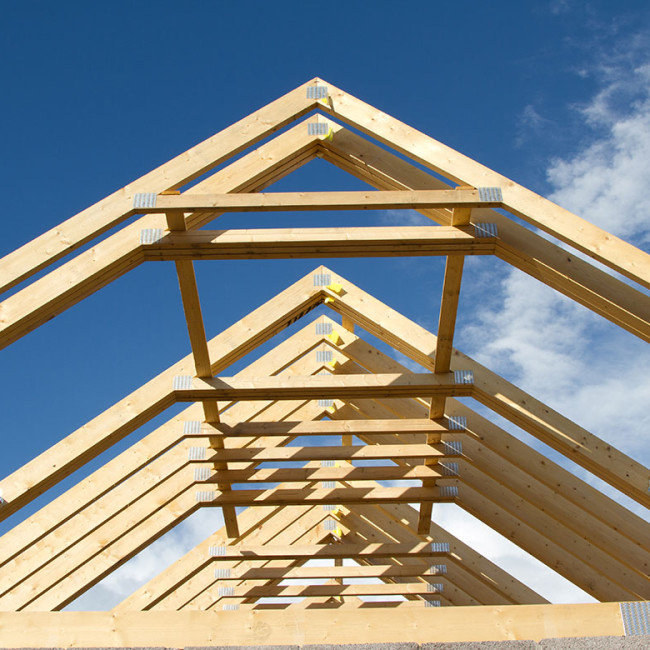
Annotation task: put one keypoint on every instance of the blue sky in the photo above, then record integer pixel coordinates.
(552, 94)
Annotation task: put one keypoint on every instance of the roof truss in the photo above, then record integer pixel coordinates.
(323, 380)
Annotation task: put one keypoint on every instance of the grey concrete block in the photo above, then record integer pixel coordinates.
(597, 643)
(362, 646)
(244, 647)
(481, 645)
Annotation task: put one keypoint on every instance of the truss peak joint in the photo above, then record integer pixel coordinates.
(144, 200)
(322, 279)
(324, 356)
(317, 92)
(490, 194)
(323, 329)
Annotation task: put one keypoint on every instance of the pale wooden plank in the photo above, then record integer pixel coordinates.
(180, 170)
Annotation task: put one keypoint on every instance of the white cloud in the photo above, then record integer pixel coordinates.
(150, 562)
(561, 353)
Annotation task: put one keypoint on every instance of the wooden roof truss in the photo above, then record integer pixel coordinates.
(425, 445)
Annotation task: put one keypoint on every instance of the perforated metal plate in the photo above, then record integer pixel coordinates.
(636, 618)
(204, 497)
(325, 402)
(222, 573)
(435, 587)
(322, 279)
(201, 474)
(217, 551)
(144, 200)
(438, 568)
(316, 92)
(230, 608)
(328, 485)
(324, 356)
(453, 447)
(457, 423)
(329, 507)
(198, 453)
(448, 469)
(191, 427)
(330, 524)
(324, 328)
(320, 128)
(182, 382)
(485, 230)
(432, 603)
(449, 491)
(463, 376)
(490, 194)
(439, 547)
(151, 235)
(327, 463)
(226, 591)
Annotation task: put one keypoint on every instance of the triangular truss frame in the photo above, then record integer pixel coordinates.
(324, 380)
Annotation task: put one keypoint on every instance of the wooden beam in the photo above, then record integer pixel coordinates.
(578, 279)
(300, 627)
(309, 591)
(555, 430)
(301, 474)
(200, 351)
(365, 452)
(63, 287)
(419, 550)
(98, 488)
(152, 398)
(335, 496)
(538, 211)
(325, 428)
(319, 201)
(182, 169)
(327, 572)
(318, 243)
(321, 387)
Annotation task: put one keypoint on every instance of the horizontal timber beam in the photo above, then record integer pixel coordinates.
(359, 452)
(325, 428)
(191, 389)
(308, 591)
(305, 474)
(327, 572)
(334, 496)
(419, 550)
(306, 201)
(321, 242)
(309, 626)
